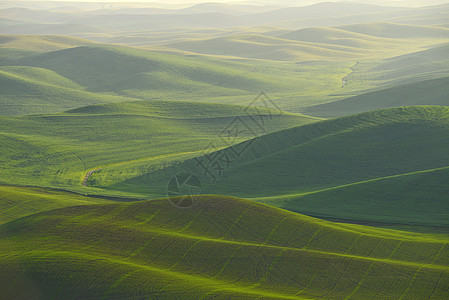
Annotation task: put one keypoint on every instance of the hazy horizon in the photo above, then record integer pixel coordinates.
(170, 3)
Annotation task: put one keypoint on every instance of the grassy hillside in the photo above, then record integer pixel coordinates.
(427, 64)
(314, 43)
(412, 201)
(107, 109)
(36, 82)
(331, 154)
(428, 92)
(59, 149)
(149, 75)
(326, 68)
(392, 30)
(17, 202)
(265, 47)
(335, 36)
(223, 248)
(134, 72)
(41, 43)
(27, 90)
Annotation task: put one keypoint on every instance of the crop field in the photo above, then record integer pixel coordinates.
(368, 156)
(60, 149)
(257, 150)
(223, 248)
(17, 202)
(48, 74)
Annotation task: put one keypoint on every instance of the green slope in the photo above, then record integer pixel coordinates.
(330, 154)
(134, 72)
(316, 43)
(410, 200)
(417, 66)
(392, 30)
(107, 71)
(223, 248)
(327, 69)
(428, 92)
(59, 149)
(27, 90)
(17, 202)
(265, 47)
(336, 36)
(41, 43)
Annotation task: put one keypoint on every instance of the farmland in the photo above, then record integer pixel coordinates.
(368, 155)
(224, 247)
(59, 149)
(224, 150)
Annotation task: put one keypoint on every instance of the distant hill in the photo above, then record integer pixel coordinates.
(428, 92)
(41, 42)
(209, 15)
(99, 74)
(334, 36)
(55, 28)
(324, 10)
(392, 30)
(28, 90)
(134, 73)
(266, 47)
(231, 9)
(429, 63)
(317, 43)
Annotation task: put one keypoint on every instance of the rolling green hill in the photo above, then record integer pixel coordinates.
(41, 43)
(17, 202)
(106, 71)
(59, 149)
(411, 201)
(392, 30)
(78, 76)
(329, 155)
(107, 109)
(315, 43)
(326, 69)
(336, 36)
(134, 72)
(225, 248)
(427, 64)
(266, 47)
(28, 90)
(428, 92)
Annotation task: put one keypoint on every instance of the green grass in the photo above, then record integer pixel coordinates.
(317, 43)
(127, 71)
(17, 202)
(109, 74)
(41, 43)
(304, 167)
(125, 139)
(224, 248)
(30, 90)
(325, 69)
(265, 47)
(401, 31)
(431, 63)
(323, 35)
(81, 154)
(416, 200)
(402, 95)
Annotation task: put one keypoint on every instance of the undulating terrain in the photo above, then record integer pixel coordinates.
(224, 151)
